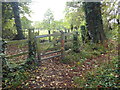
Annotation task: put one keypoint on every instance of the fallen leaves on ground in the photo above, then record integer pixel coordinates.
(53, 74)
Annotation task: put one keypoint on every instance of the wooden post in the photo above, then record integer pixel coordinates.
(49, 37)
(38, 49)
(31, 45)
(37, 32)
(62, 44)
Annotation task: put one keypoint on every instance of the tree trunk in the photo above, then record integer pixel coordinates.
(94, 21)
(49, 37)
(17, 21)
(71, 27)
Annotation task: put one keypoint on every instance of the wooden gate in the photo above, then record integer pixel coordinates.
(49, 49)
(54, 48)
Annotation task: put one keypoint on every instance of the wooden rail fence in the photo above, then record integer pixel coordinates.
(35, 46)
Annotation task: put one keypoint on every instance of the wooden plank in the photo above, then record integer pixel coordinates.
(48, 35)
(16, 55)
(51, 57)
(62, 44)
(17, 41)
(50, 52)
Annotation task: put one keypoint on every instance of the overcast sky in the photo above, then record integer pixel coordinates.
(39, 7)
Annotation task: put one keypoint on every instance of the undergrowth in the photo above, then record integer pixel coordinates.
(87, 51)
(13, 77)
(104, 76)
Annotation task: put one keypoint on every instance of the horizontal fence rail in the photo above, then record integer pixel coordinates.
(12, 50)
(51, 57)
(17, 41)
(16, 55)
(48, 35)
(51, 52)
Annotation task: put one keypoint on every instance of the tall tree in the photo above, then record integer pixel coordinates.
(94, 21)
(8, 19)
(17, 20)
(48, 19)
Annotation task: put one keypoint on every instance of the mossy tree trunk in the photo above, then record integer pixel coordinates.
(94, 21)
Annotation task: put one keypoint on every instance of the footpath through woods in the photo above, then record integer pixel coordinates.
(54, 74)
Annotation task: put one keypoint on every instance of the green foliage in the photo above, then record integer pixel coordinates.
(103, 76)
(113, 34)
(14, 79)
(87, 51)
(17, 74)
(109, 10)
(110, 16)
(26, 24)
(48, 19)
(75, 16)
(8, 23)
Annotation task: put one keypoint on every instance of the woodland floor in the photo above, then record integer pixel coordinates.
(54, 74)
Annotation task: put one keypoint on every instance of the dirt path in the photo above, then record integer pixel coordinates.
(53, 74)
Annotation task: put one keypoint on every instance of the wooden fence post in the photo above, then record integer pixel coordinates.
(49, 37)
(62, 45)
(38, 49)
(31, 45)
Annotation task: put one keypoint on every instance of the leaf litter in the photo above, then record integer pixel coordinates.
(54, 74)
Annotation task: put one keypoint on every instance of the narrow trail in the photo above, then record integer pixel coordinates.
(54, 74)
